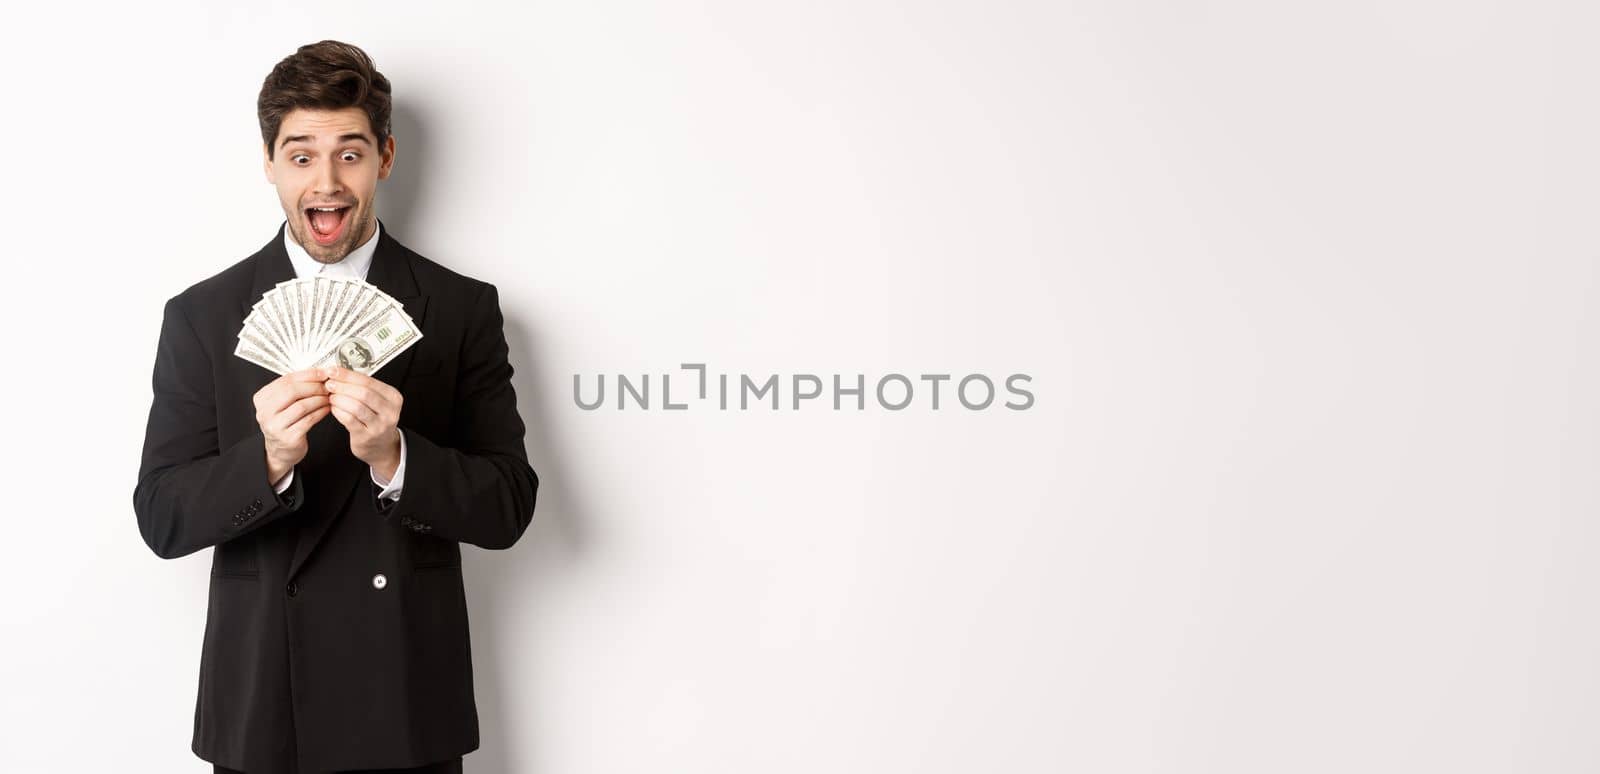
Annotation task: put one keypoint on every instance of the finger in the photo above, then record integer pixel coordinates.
(354, 407)
(347, 376)
(304, 425)
(284, 391)
(281, 426)
(375, 401)
(291, 414)
(372, 398)
(345, 418)
(386, 390)
(342, 374)
(307, 375)
(298, 390)
(309, 388)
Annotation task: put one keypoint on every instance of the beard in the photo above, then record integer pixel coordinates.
(356, 230)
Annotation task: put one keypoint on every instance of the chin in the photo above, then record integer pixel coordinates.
(344, 238)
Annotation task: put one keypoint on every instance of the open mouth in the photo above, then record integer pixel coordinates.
(327, 223)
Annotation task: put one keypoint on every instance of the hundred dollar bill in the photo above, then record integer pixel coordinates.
(262, 317)
(340, 291)
(276, 308)
(255, 356)
(325, 320)
(295, 294)
(256, 333)
(317, 294)
(361, 304)
(369, 303)
(374, 344)
(283, 300)
(302, 317)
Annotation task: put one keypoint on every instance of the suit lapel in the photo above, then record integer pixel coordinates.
(334, 474)
(391, 272)
(271, 266)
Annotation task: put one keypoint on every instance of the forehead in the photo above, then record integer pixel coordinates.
(324, 126)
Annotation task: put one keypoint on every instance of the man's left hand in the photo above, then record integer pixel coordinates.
(370, 410)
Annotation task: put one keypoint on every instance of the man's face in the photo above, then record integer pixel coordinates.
(326, 166)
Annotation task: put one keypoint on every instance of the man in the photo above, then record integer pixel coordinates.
(336, 633)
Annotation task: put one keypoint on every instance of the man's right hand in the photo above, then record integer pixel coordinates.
(286, 409)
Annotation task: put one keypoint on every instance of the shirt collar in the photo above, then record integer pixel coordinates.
(356, 263)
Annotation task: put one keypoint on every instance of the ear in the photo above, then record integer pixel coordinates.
(266, 163)
(387, 158)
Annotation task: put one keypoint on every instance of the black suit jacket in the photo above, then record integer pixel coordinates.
(309, 662)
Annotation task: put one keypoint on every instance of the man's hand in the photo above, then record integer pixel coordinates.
(370, 410)
(286, 409)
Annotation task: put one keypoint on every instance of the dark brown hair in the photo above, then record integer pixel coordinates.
(328, 75)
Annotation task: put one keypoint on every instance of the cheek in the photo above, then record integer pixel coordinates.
(363, 181)
(289, 188)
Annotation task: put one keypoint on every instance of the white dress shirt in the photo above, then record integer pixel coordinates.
(355, 265)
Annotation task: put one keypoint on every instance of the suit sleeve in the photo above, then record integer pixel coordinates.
(479, 489)
(190, 493)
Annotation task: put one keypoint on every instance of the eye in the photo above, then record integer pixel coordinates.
(350, 156)
(299, 158)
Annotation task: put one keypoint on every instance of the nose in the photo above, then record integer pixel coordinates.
(327, 179)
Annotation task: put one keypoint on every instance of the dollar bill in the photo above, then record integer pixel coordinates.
(375, 343)
(261, 359)
(321, 321)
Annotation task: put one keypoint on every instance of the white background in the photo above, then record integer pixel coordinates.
(1307, 291)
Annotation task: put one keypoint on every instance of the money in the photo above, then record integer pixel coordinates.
(318, 322)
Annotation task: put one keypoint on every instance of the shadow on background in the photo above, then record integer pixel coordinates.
(499, 584)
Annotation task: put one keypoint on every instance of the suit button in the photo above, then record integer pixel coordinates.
(378, 581)
(292, 588)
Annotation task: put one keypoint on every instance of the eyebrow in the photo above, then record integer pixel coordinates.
(343, 138)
